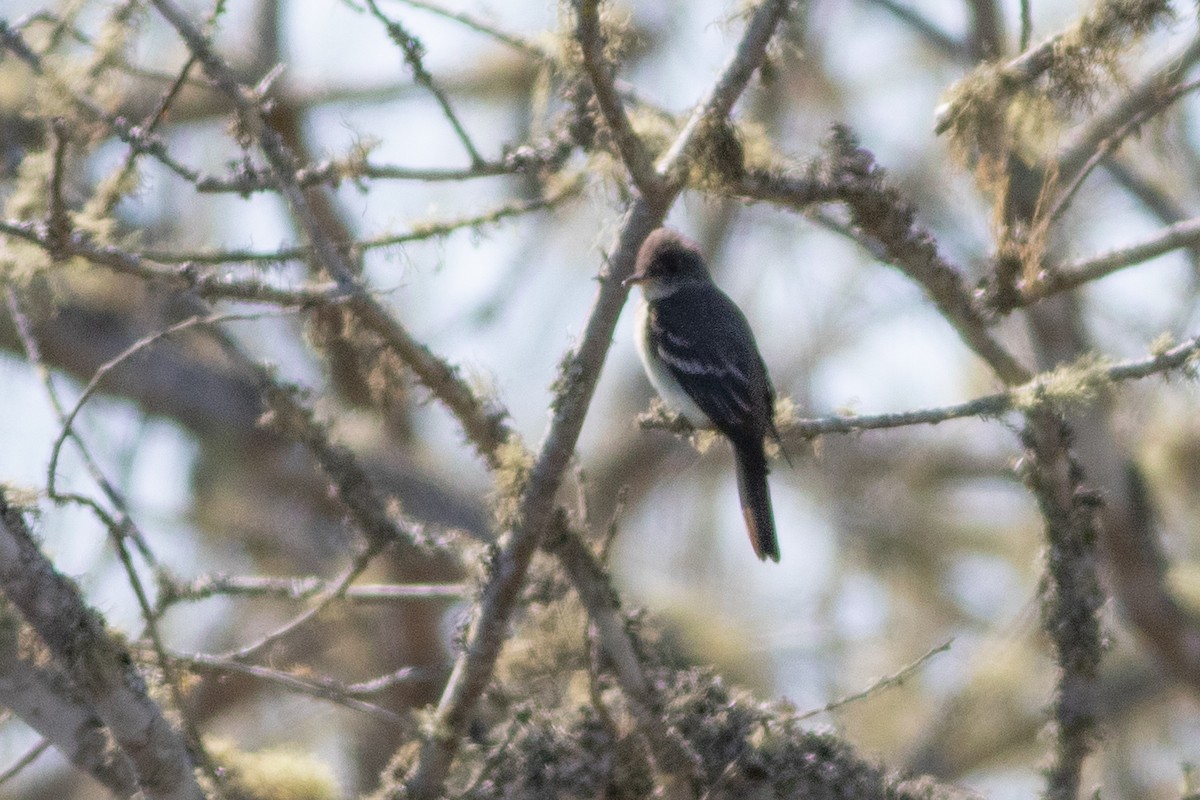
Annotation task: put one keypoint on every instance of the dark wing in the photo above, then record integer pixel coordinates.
(706, 342)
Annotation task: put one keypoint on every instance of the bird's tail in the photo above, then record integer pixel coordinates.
(756, 498)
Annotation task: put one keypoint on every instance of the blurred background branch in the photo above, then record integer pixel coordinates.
(285, 291)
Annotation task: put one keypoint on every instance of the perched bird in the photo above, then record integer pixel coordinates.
(700, 354)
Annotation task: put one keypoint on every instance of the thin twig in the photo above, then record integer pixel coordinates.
(485, 429)
(715, 108)
(580, 373)
(331, 593)
(888, 681)
(102, 372)
(120, 529)
(1173, 237)
(398, 678)
(614, 525)
(305, 589)
(929, 31)
(246, 180)
(432, 230)
(58, 222)
(107, 202)
(122, 524)
(1160, 103)
(211, 285)
(527, 46)
(1146, 92)
(1036, 61)
(27, 758)
(414, 56)
(325, 689)
(1026, 35)
(138, 140)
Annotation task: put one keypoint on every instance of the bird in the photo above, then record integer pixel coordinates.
(701, 357)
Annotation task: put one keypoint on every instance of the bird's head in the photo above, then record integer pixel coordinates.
(667, 262)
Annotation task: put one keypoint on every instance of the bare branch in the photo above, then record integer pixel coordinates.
(42, 697)
(353, 487)
(1156, 105)
(1073, 596)
(97, 663)
(487, 430)
(1071, 276)
(986, 34)
(414, 56)
(245, 180)
(11, 39)
(432, 230)
(1069, 385)
(304, 588)
(330, 594)
(1107, 25)
(878, 209)
(589, 34)
(1148, 93)
(94, 384)
(634, 690)
(714, 110)
(120, 530)
(929, 32)
(58, 222)
(671, 752)
(209, 285)
(33, 754)
(473, 669)
(107, 202)
(138, 140)
(897, 678)
(322, 689)
(527, 46)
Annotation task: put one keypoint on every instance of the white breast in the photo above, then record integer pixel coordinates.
(660, 375)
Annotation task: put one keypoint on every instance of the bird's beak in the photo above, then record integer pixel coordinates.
(635, 278)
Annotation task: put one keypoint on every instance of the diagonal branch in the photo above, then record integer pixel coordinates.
(211, 285)
(320, 688)
(732, 81)
(577, 383)
(878, 210)
(486, 429)
(97, 663)
(524, 45)
(418, 232)
(414, 56)
(1108, 24)
(1150, 92)
(1071, 276)
(1158, 103)
(46, 701)
(589, 34)
(671, 752)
